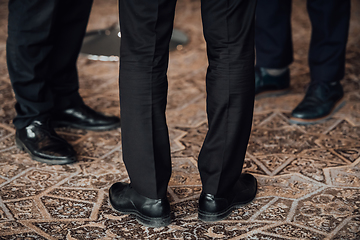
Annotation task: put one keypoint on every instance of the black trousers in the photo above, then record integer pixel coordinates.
(44, 40)
(146, 28)
(330, 27)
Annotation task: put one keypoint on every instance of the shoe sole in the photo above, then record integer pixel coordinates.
(273, 93)
(22, 147)
(91, 128)
(209, 217)
(301, 121)
(144, 220)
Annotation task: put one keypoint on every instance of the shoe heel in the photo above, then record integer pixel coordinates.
(154, 223)
(215, 217)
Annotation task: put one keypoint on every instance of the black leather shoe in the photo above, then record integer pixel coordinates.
(215, 208)
(270, 86)
(149, 212)
(321, 101)
(42, 143)
(84, 117)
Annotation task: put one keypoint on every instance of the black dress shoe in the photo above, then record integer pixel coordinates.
(321, 101)
(83, 117)
(215, 208)
(270, 86)
(42, 143)
(149, 212)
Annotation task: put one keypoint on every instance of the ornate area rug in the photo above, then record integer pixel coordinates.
(309, 176)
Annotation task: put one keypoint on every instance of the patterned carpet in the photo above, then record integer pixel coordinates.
(309, 176)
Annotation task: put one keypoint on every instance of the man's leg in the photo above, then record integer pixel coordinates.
(273, 39)
(330, 28)
(274, 49)
(229, 33)
(29, 53)
(146, 28)
(70, 21)
(29, 49)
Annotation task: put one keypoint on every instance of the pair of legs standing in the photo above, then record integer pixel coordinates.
(44, 41)
(274, 53)
(42, 49)
(146, 28)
